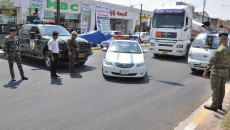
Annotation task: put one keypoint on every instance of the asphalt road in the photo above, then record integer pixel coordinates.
(87, 101)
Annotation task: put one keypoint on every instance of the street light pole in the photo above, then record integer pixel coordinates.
(140, 24)
(203, 10)
(58, 12)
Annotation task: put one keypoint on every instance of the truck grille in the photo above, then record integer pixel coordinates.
(124, 65)
(166, 45)
(165, 50)
(168, 34)
(83, 46)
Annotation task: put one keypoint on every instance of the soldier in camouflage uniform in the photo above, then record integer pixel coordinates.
(12, 53)
(219, 66)
(72, 46)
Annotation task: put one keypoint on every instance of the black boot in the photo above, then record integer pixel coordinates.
(220, 107)
(24, 78)
(13, 79)
(210, 107)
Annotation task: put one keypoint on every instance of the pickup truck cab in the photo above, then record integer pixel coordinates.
(34, 39)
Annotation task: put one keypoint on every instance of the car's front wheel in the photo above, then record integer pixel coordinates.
(47, 60)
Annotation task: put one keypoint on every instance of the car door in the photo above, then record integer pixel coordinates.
(147, 36)
(35, 44)
(24, 39)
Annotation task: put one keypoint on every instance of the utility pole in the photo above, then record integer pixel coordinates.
(140, 25)
(203, 10)
(58, 12)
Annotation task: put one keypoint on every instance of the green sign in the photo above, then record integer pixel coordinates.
(49, 14)
(64, 6)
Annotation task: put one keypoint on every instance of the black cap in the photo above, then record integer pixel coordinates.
(223, 34)
(13, 29)
(55, 33)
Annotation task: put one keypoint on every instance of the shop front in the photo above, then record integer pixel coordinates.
(144, 23)
(69, 13)
(119, 20)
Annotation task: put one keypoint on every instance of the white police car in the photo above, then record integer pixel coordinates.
(124, 58)
(202, 49)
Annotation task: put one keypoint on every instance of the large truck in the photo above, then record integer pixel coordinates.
(172, 30)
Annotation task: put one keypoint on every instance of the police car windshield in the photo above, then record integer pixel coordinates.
(204, 41)
(48, 30)
(125, 47)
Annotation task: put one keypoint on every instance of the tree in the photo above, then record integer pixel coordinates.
(7, 5)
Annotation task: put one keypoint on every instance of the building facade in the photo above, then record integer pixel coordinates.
(122, 18)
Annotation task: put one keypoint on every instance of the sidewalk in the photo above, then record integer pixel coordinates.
(209, 120)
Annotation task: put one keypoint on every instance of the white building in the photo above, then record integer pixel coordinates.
(122, 18)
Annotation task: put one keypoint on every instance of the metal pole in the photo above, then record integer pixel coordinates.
(140, 24)
(58, 12)
(203, 10)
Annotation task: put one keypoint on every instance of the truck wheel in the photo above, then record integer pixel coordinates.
(156, 55)
(193, 70)
(47, 60)
(81, 63)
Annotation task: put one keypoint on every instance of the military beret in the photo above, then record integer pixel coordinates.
(13, 29)
(55, 33)
(74, 33)
(223, 34)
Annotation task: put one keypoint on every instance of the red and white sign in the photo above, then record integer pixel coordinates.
(116, 13)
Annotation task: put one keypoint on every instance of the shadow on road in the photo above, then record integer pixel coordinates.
(38, 64)
(171, 59)
(76, 76)
(57, 81)
(144, 80)
(12, 85)
(170, 83)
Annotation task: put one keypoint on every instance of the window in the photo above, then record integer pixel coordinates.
(35, 29)
(25, 30)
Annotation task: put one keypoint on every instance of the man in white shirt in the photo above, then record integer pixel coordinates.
(54, 54)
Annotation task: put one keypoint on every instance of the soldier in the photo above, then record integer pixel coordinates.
(11, 51)
(219, 65)
(72, 46)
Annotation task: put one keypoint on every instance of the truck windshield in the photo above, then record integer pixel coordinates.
(48, 30)
(211, 42)
(168, 21)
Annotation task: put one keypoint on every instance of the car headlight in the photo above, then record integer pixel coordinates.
(179, 46)
(107, 62)
(140, 64)
(152, 44)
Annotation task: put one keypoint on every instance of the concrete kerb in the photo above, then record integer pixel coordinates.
(198, 116)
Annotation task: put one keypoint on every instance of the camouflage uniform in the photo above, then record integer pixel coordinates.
(219, 65)
(72, 43)
(12, 49)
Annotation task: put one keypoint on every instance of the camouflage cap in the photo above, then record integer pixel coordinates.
(13, 30)
(74, 33)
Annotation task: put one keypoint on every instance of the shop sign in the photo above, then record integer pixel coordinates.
(103, 19)
(40, 5)
(85, 14)
(72, 16)
(65, 7)
(49, 15)
(145, 17)
(115, 13)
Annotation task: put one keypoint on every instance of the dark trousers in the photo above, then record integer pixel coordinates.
(54, 64)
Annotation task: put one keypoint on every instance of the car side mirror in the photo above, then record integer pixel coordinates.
(145, 51)
(32, 35)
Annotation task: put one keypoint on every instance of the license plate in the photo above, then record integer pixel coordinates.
(124, 72)
(81, 55)
(164, 53)
(203, 65)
